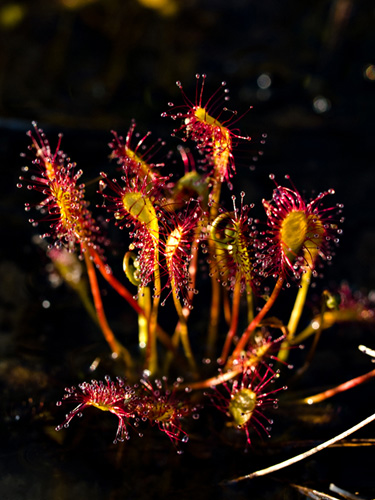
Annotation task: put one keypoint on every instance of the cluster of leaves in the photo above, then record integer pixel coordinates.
(133, 405)
(172, 223)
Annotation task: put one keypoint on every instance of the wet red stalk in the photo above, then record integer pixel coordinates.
(258, 318)
(317, 398)
(113, 343)
(234, 321)
(124, 292)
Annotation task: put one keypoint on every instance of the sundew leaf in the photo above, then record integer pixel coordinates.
(140, 207)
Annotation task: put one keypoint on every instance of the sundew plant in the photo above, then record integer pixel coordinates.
(181, 233)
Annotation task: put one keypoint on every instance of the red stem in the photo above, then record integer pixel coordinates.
(317, 398)
(234, 320)
(113, 343)
(216, 380)
(258, 318)
(108, 276)
(124, 292)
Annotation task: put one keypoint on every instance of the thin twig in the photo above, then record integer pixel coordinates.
(310, 493)
(344, 493)
(306, 454)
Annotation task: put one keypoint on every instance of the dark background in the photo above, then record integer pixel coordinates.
(86, 67)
